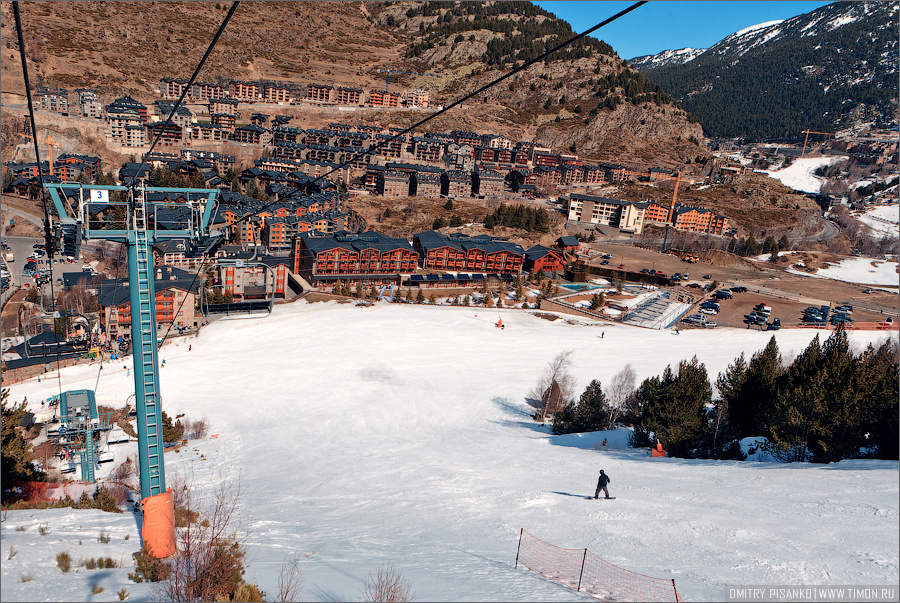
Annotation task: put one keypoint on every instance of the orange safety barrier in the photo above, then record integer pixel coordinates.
(159, 523)
(585, 572)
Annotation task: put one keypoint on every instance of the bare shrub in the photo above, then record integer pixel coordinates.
(556, 387)
(199, 428)
(26, 577)
(290, 578)
(388, 584)
(122, 482)
(209, 565)
(63, 562)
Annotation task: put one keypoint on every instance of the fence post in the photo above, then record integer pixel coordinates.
(520, 546)
(677, 596)
(581, 573)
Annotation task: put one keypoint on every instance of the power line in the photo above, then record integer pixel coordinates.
(526, 65)
(48, 238)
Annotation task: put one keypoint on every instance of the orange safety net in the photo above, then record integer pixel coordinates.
(47, 492)
(584, 571)
(159, 523)
(658, 451)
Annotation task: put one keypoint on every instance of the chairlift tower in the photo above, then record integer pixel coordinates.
(79, 418)
(138, 229)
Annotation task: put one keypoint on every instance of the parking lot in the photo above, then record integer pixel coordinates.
(734, 312)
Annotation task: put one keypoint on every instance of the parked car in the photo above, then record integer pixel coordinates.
(707, 276)
(695, 318)
(645, 271)
(686, 275)
(774, 325)
(604, 262)
(709, 311)
(739, 289)
(868, 290)
(621, 266)
(710, 324)
(694, 285)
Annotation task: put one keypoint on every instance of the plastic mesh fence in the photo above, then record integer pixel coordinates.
(584, 571)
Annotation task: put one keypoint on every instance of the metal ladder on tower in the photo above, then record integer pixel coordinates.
(145, 354)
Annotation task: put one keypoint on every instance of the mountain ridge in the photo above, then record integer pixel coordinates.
(828, 68)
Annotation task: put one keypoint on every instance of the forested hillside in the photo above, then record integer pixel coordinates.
(822, 71)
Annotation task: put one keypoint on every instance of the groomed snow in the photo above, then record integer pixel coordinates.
(799, 175)
(400, 434)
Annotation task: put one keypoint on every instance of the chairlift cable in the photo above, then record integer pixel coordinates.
(190, 83)
(48, 239)
(541, 57)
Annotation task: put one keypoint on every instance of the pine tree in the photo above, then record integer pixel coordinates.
(729, 384)
(420, 297)
(799, 397)
(590, 413)
(16, 464)
(172, 432)
(675, 410)
(748, 411)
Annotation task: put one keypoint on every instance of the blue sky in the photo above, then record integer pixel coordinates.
(658, 26)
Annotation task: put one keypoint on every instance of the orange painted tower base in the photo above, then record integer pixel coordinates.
(159, 524)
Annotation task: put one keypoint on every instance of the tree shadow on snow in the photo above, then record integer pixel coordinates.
(513, 408)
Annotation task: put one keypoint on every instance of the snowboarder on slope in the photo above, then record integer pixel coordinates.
(601, 484)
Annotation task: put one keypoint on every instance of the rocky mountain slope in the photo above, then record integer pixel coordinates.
(821, 70)
(584, 99)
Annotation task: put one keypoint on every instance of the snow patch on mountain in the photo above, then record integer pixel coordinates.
(747, 30)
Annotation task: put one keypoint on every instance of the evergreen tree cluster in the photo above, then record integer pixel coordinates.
(592, 412)
(633, 86)
(828, 404)
(523, 40)
(791, 84)
(16, 463)
(751, 247)
(531, 219)
(166, 177)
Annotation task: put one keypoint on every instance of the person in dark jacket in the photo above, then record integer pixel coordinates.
(601, 484)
